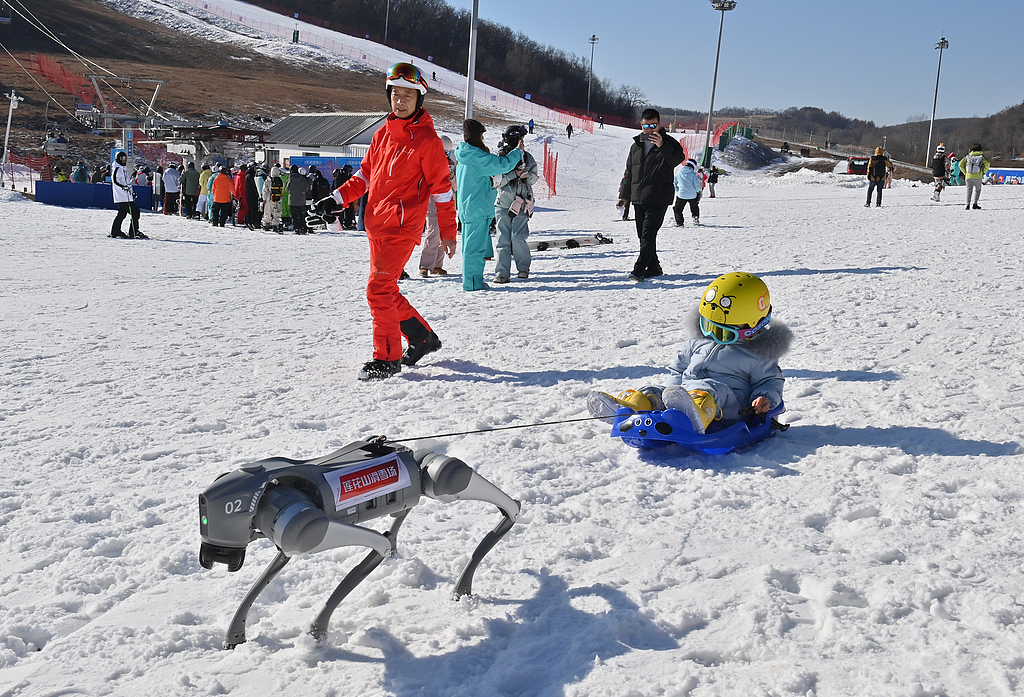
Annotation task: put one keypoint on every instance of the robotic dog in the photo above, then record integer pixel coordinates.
(308, 506)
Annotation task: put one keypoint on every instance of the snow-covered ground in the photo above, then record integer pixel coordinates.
(872, 549)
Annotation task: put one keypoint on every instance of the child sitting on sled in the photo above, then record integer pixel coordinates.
(729, 362)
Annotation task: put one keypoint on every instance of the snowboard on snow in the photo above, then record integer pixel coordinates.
(568, 243)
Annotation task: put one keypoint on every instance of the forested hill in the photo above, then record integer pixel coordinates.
(506, 59)
(1001, 134)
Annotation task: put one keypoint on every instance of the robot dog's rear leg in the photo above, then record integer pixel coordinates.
(465, 583)
(450, 479)
(236, 630)
(353, 579)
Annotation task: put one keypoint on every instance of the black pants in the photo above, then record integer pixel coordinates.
(171, 202)
(680, 204)
(221, 213)
(190, 205)
(298, 218)
(123, 209)
(873, 185)
(649, 217)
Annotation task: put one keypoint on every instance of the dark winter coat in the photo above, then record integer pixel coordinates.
(298, 187)
(648, 176)
(320, 188)
(190, 182)
(939, 166)
(252, 194)
(878, 168)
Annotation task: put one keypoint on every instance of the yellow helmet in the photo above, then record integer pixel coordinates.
(735, 306)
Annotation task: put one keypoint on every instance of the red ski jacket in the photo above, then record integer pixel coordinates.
(404, 167)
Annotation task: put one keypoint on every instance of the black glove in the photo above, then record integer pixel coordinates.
(329, 205)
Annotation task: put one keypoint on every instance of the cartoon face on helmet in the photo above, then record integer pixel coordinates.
(735, 306)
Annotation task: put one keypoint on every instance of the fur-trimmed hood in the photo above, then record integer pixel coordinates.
(768, 345)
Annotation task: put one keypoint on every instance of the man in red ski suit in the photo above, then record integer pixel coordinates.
(405, 166)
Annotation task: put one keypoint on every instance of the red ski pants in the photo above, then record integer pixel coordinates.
(388, 256)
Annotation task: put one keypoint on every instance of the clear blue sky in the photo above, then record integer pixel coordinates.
(867, 59)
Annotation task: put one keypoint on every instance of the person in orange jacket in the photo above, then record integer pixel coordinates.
(404, 168)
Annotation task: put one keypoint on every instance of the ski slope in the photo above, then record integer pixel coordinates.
(872, 549)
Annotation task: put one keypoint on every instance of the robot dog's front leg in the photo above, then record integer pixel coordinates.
(293, 522)
(449, 479)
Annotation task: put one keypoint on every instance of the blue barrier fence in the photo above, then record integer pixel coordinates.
(87, 195)
(1006, 176)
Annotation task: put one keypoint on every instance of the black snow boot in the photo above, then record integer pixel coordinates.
(379, 370)
(414, 352)
(118, 234)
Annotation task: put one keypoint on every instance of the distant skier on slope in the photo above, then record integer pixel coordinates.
(940, 170)
(729, 362)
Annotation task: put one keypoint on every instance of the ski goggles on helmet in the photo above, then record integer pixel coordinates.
(406, 75)
(727, 334)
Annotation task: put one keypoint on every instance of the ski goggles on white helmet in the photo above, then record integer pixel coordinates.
(406, 75)
(727, 334)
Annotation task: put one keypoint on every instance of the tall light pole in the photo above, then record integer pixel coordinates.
(7, 138)
(471, 70)
(942, 45)
(387, 16)
(590, 78)
(723, 6)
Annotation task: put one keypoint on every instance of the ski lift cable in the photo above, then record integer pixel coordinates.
(33, 78)
(38, 24)
(86, 62)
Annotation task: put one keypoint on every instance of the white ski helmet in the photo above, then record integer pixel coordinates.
(405, 75)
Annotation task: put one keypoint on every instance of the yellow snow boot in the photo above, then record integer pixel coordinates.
(707, 410)
(603, 404)
(634, 399)
(698, 405)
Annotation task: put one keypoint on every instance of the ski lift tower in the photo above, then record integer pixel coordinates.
(126, 82)
(7, 138)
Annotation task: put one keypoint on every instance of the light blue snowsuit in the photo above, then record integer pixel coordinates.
(734, 374)
(476, 206)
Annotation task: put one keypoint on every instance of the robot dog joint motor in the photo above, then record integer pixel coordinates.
(308, 506)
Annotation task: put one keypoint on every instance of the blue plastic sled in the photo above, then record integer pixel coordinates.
(656, 429)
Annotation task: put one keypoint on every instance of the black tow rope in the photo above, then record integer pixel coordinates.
(500, 428)
(743, 412)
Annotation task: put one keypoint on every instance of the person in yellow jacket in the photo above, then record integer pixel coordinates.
(974, 167)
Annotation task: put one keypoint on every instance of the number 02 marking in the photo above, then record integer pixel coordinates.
(233, 506)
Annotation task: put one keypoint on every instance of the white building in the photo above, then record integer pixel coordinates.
(336, 135)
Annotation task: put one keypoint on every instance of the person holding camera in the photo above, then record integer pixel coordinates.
(514, 207)
(647, 182)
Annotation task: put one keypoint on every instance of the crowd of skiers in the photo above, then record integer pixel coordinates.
(271, 198)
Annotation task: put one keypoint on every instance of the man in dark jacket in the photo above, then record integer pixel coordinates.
(878, 168)
(647, 183)
(298, 187)
(190, 190)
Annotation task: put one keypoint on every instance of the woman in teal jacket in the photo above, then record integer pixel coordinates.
(476, 197)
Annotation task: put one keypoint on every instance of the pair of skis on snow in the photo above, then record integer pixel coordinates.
(568, 243)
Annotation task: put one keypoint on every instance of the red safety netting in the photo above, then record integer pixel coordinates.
(550, 171)
(24, 172)
(56, 73)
